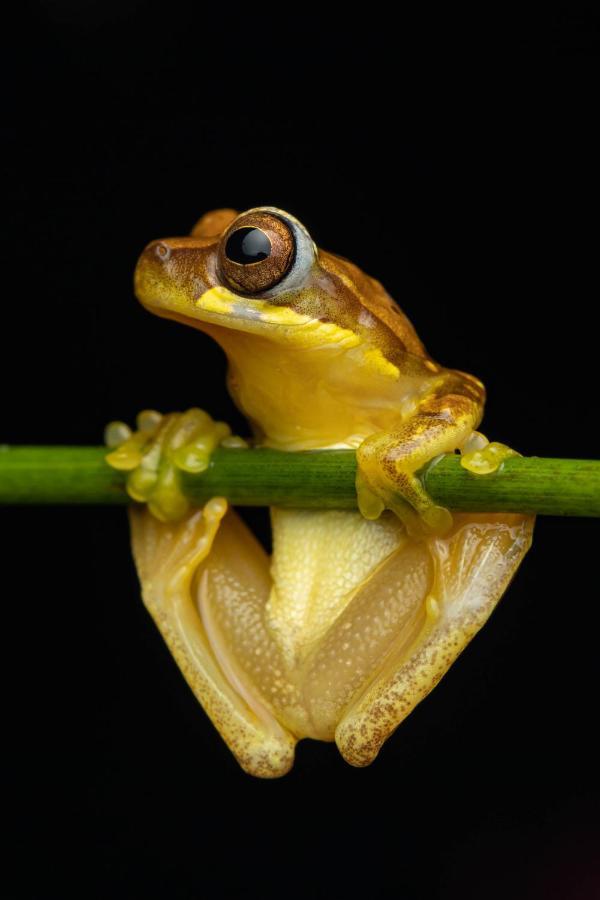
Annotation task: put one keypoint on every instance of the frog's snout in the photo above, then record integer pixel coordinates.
(171, 271)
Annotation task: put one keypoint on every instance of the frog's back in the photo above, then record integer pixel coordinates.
(354, 284)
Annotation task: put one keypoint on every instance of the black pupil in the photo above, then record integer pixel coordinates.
(247, 245)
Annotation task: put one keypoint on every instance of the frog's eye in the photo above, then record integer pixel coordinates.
(256, 252)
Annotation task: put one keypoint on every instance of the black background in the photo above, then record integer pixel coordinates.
(456, 160)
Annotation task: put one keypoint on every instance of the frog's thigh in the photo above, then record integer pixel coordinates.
(173, 562)
(473, 566)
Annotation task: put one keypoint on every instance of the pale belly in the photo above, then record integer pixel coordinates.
(344, 596)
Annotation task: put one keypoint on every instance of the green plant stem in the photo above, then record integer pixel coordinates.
(323, 479)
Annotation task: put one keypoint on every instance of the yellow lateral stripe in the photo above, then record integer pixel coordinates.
(221, 301)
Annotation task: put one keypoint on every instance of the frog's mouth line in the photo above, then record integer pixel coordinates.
(251, 313)
(218, 310)
(220, 307)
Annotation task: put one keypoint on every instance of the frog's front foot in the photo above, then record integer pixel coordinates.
(481, 457)
(158, 451)
(386, 479)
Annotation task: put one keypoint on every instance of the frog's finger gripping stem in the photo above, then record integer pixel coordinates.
(156, 453)
(387, 462)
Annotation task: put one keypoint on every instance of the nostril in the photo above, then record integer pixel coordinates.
(162, 251)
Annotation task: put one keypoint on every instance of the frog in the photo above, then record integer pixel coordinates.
(358, 613)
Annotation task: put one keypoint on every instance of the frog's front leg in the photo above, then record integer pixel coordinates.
(192, 565)
(158, 451)
(387, 462)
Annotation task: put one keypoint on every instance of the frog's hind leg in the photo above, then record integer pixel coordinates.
(185, 568)
(472, 566)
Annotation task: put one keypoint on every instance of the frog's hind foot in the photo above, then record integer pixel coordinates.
(468, 572)
(196, 574)
(158, 451)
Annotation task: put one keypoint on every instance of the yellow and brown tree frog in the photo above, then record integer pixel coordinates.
(357, 614)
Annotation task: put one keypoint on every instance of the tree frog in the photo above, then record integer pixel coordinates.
(357, 614)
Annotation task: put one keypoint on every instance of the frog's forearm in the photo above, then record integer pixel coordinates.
(318, 479)
(388, 461)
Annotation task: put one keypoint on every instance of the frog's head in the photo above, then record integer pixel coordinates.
(257, 283)
(260, 273)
